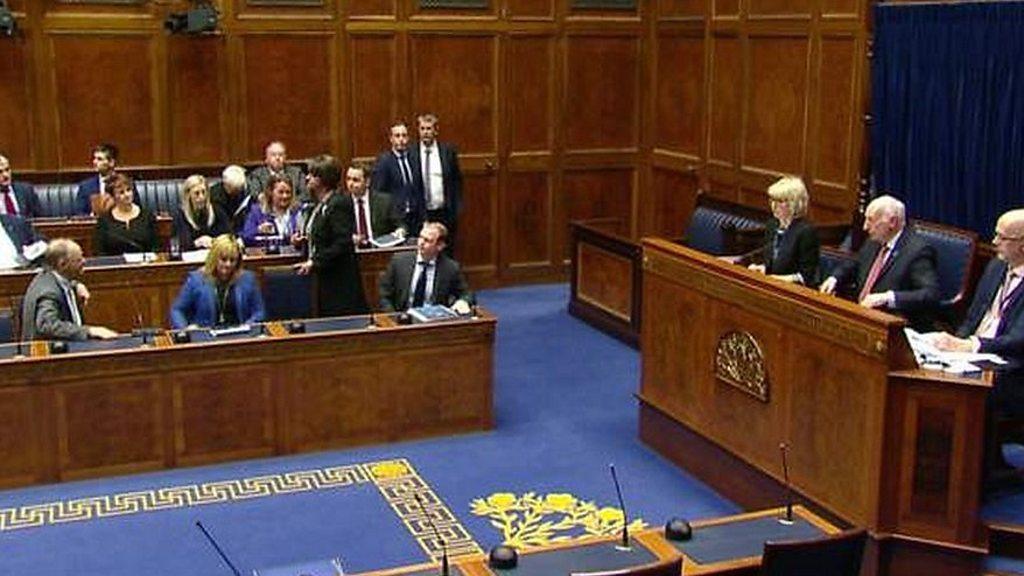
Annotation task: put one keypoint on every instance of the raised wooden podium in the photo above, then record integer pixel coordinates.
(735, 364)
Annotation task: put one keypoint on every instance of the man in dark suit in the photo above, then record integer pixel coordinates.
(17, 198)
(995, 324)
(104, 160)
(50, 310)
(19, 243)
(329, 232)
(231, 196)
(396, 173)
(275, 158)
(375, 212)
(426, 277)
(895, 269)
(440, 182)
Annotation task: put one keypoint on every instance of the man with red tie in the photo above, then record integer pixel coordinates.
(895, 268)
(375, 212)
(16, 198)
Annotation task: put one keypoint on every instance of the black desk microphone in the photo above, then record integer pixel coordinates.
(788, 518)
(217, 547)
(624, 544)
(437, 534)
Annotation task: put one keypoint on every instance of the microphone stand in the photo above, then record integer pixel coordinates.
(218, 549)
(624, 544)
(788, 518)
(437, 534)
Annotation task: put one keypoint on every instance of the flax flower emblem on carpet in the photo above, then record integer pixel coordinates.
(538, 519)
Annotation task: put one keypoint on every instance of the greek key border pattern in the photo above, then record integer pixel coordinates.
(399, 483)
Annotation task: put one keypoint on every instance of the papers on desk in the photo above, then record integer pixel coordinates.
(931, 358)
(194, 255)
(139, 257)
(387, 240)
(240, 329)
(433, 313)
(34, 250)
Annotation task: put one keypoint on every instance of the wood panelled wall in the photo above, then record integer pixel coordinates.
(559, 112)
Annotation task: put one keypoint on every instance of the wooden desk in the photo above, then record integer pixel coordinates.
(121, 293)
(81, 415)
(82, 228)
(735, 363)
(650, 543)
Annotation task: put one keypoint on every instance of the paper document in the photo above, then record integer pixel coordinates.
(139, 257)
(387, 240)
(930, 357)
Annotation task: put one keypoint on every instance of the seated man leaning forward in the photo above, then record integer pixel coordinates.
(51, 309)
(220, 293)
(425, 277)
(895, 268)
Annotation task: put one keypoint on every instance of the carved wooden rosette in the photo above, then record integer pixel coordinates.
(739, 362)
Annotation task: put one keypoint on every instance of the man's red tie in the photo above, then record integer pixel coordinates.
(874, 273)
(361, 219)
(9, 208)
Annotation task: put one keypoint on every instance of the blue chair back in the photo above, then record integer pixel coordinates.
(8, 325)
(56, 200)
(954, 249)
(710, 230)
(159, 196)
(834, 555)
(287, 295)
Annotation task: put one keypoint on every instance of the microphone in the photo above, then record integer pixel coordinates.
(15, 309)
(217, 548)
(437, 534)
(624, 545)
(137, 319)
(788, 518)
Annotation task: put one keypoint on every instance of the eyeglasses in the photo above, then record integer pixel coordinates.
(1001, 236)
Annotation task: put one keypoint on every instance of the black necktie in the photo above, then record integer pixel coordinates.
(420, 293)
(403, 166)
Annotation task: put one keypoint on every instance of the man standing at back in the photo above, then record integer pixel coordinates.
(275, 158)
(50, 310)
(895, 269)
(395, 173)
(16, 198)
(441, 179)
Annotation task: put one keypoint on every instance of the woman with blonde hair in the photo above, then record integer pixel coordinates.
(197, 221)
(220, 293)
(791, 245)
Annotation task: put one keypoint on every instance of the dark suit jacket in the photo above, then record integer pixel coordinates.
(45, 314)
(395, 285)
(258, 178)
(1008, 341)
(451, 174)
(799, 250)
(340, 287)
(909, 273)
(236, 208)
(28, 202)
(408, 199)
(86, 188)
(384, 215)
(19, 230)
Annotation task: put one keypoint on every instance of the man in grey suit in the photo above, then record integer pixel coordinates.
(275, 158)
(50, 310)
(426, 277)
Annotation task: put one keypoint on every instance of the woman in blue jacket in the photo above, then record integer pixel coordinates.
(220, 293)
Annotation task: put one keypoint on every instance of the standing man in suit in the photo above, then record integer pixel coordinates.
(51, 310)
(895, 269)
(426, 277)
(17, 198)
(231, 196)
(104, 160)
(275, 158)
(396, 173)
(375, 212)
(995, 324)
(441, 178)
(329, 233)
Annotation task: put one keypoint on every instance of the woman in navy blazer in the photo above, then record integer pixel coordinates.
(791, 245)
(220, 293)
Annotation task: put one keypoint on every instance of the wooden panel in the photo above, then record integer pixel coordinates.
(288, 93)
(333, 405)
(110, 427)
(530, 8)
(595, 194)
(800, 8)
(834, 8)
(527, 221)
(19, 438)
(372, 91)
(104, 94)
(442, 402)
(529, 93)
(669, 201)
(371, 7)
(197, 102)
(601, 75)
(835, 109)
(600, 281)
(462, 96)
(477, 242)
(726, 8)
(15, 129)
(235, 421)
(774, 134)
(676, 8)
(726, 93)
(680, 91)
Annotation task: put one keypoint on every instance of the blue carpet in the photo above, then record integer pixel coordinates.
(564, 409)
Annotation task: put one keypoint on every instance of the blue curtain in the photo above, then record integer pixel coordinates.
(948, 103)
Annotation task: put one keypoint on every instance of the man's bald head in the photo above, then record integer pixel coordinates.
(1009, 238)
